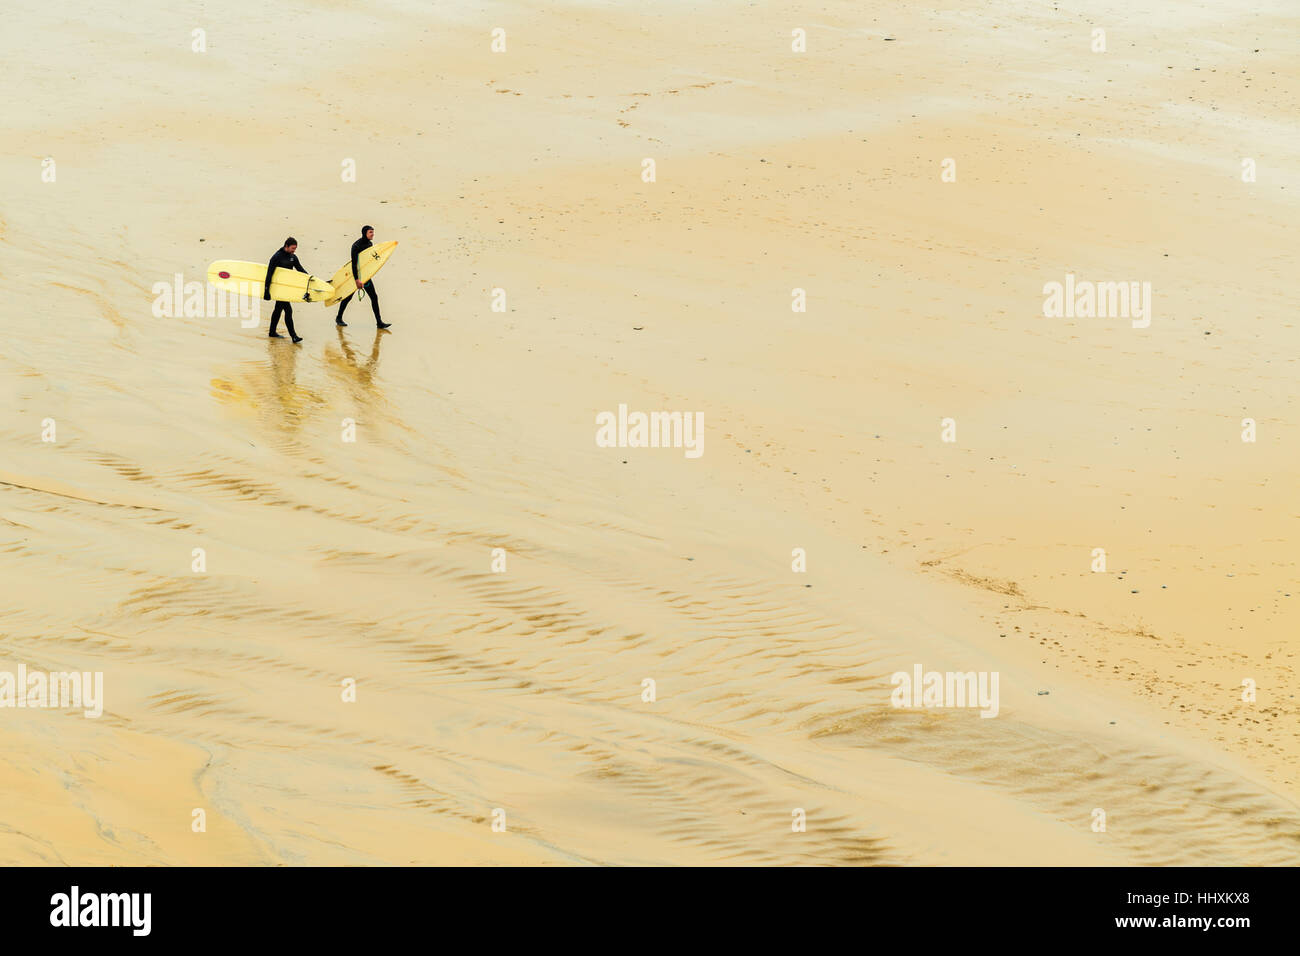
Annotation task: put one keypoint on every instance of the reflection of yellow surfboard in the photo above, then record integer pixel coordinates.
(368, 263)
(287, 285)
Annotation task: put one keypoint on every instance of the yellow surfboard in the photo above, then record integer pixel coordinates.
(368, 263)
(287, 285)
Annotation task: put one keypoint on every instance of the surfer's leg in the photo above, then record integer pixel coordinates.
(374, 304)
(275, 320)
(338, 319)
(288, 323)
(374, 300)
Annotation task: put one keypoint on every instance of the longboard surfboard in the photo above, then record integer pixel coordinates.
(368, 263)
(287, 285)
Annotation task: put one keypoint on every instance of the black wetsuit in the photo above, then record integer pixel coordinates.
(283, 259)
(358, 247)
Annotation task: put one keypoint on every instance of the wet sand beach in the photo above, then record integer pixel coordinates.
(517, 177)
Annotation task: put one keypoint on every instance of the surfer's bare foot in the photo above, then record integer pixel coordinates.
(382, 325)
(274, 335)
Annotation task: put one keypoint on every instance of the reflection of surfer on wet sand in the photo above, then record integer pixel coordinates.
(364, 371)
(285, 391)
(356, 372)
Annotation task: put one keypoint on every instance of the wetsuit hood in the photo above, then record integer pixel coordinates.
(363, 230)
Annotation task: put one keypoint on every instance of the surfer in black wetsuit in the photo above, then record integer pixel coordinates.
(283, 259)
(358, 247)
